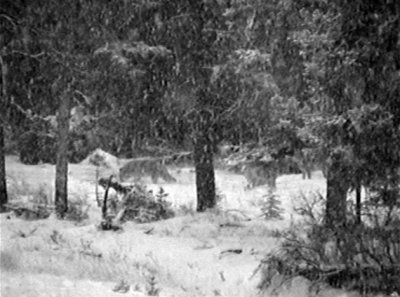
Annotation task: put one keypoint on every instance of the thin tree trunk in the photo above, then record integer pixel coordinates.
(358, 204)
(241, 141)
(336, 196)
(3, 184)
(205, 179)
(61, 195)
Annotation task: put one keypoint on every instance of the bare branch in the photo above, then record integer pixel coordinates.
(27, 112)
(9, 19)
(87, 99)
(33, 56)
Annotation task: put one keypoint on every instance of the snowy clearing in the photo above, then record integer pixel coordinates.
(176, 257)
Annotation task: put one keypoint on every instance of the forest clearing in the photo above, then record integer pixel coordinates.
(200, 148)
(183, 254)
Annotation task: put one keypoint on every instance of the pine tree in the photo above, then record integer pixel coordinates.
(271, 207)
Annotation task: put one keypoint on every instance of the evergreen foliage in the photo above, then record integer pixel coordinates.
(277, 78)
(271, 206)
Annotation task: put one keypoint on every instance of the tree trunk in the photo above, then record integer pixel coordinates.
(3, 184)
(202, 58)
(358, 204)
(203, 159)
(61, 195)
(336, 196)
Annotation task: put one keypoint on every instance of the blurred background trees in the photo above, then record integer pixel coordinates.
(146, 78)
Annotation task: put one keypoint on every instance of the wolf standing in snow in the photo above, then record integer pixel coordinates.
(259, 173)
(141, 167)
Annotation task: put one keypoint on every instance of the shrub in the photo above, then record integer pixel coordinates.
(187, 209)
(143, 206)
(29, 202)
(357, 257)
(152, 288)
(271, 206)
(77, 210)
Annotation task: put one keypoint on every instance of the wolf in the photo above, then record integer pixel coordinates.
(310, 159)
(260, 172)
(141, 167)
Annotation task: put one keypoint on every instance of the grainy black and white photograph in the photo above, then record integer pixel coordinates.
(200, 148)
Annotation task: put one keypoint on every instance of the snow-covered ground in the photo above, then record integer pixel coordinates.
(179, 257)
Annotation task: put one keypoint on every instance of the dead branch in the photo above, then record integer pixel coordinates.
(104, 208)
(91, 254)
(221, 274)
(97, 187)
(36, 209)
(22, 234)
(33, 56)
(149, 231)
(233, 251)
(56, 237)
(118, 217)
(86, 98)
(246, 217)
(235, 225)
(108, 183)
(110, 222)
(236, 251)
(2, 15)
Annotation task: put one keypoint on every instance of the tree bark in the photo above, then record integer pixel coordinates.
(336, 196)
(3, 183)
(203, 158)
(358, 204)
(203, 57)
(61, 195)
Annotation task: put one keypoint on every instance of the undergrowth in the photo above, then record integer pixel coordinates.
(142, 206)
(30, 202)
(363, 257)
(33, 202)
(78, 210)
